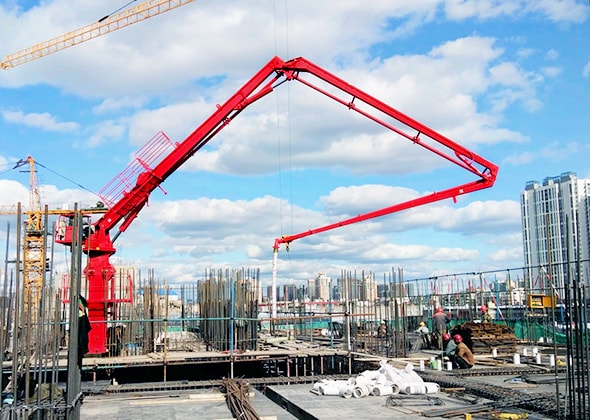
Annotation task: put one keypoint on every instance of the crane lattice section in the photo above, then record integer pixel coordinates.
(146, 158)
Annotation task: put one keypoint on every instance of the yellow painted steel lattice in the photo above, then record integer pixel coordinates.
(105, 25)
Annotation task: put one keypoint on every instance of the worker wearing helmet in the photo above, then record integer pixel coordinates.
(422, 328)
(485, 315)
(449, 345)
(423, 340)
(439, 325)
(463, 357)
(382, 330)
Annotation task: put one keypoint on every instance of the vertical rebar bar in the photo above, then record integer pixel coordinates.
(553, 301)
(166, 339)
(16, 308)
(5, 308)
(74, 370)
(56, 347)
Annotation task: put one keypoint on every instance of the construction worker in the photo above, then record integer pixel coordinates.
(424, 334)
(382, 330)
(440, 320)
(83, 329)
(485, 315)
(449, 345)
(439, 326)
(422, 328)
(463, 357)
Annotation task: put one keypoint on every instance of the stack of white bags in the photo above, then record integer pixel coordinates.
(387, 380)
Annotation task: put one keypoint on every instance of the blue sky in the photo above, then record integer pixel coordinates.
(507, 79)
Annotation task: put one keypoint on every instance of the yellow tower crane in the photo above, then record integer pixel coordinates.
(34, 247)
(34, 243)
(105, 25)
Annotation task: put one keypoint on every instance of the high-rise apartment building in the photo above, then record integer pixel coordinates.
(555, 227)
(319, 288)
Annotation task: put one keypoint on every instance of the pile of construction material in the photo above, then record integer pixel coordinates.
(237, 394)
(484, 337)
(386, 380)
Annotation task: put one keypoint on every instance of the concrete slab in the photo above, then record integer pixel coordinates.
(297, 401)
(370, 407)
(176, 405)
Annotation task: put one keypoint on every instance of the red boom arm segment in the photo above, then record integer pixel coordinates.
(128, 193)
(408, 128)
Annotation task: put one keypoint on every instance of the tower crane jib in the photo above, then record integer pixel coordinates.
(105, 25)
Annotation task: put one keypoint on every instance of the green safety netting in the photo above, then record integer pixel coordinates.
(536, 332)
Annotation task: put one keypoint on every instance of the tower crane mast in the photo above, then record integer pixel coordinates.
(103, 26)
(34, 247)
(34, 243)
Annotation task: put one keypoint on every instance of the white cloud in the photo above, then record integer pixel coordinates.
(551, 71)
(481, 9)
(13, 192)
(557, 11)
(44, 121)
(112, 105)
(552, 54)
(106, 131)
(362, 199)
(556, 151)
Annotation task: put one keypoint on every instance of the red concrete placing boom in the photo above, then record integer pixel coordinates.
(128, 193)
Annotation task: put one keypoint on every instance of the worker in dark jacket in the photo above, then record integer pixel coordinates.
(439, 326)
(463, 358)
(439, 321)
(83, 329)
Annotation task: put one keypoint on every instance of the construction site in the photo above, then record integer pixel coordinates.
(121, 342)
(213, 348)
(229, 347)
